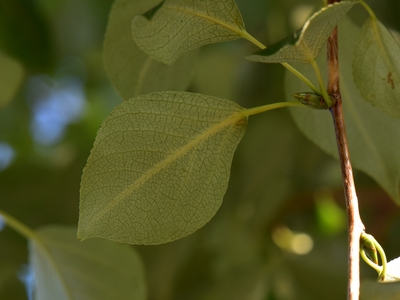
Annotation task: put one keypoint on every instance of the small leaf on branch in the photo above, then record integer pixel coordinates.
(304, 45)
(371, 133)
(182, 25)
(97, 269)
(131, 71)
(376, 67)
(159, 167)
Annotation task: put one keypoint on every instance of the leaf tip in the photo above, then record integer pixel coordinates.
(80, 236)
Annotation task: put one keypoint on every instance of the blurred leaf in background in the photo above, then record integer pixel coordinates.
(11, 75)
(64, 268)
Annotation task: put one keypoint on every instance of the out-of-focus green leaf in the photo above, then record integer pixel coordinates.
(97, 269)
(304, 45)
(159, 167)
(372, 290)
(376, 67)
(25, 34)
(372, 135)
(11, 75)
(331, 217)
(131, 71)
(182, 25)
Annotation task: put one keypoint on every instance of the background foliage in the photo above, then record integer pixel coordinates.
(279, 178)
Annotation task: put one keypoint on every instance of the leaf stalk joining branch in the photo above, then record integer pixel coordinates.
(290, 68)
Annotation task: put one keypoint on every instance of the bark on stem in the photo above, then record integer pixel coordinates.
(355, 225)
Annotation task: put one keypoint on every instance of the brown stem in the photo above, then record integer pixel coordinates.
(355, 225)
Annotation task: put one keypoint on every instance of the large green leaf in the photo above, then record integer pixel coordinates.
(303, 46)
(131, 71)
(159, 167)
(376, 67)
(97, 269)
(182, 25)
(11, 75)
(372, 135)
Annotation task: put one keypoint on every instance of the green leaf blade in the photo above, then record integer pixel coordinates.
(97, 269)
(372, 135)
(131, 71)
(304, 46)
(182, 25)
(376, 67)
(159, 167)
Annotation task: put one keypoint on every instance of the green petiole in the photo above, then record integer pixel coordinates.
(368, 9)
(302, 78)
(22, 229)
(260, 109)
(321, 91)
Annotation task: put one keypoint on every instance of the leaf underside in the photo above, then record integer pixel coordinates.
(182, 25)
(304, 45)
(372, 135)
(159, 167)
(376, 67)
(131, 71)
(97, 269)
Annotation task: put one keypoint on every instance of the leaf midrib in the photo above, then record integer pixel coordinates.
(376, 34)
(44, 250)
(239, 30)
